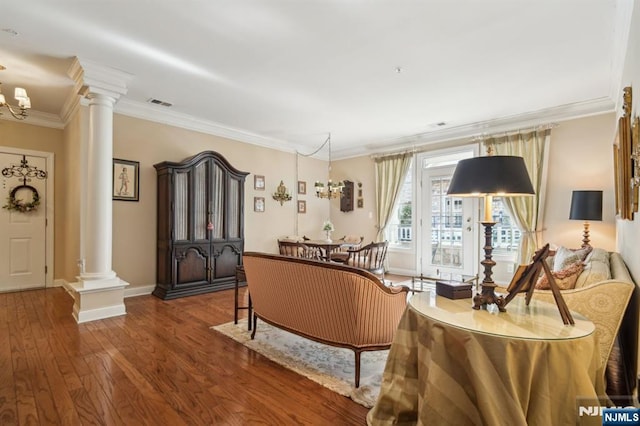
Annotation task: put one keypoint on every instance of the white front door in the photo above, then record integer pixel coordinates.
(22, 235)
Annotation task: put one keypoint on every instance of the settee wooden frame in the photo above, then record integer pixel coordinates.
(359, 326)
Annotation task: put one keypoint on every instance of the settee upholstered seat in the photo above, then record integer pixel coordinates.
(327, 302)
(604, 300)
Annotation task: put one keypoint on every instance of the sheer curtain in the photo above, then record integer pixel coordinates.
(390, 174)
(527, 212)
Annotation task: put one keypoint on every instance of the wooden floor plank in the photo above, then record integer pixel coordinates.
(159, 364)
(8, 403)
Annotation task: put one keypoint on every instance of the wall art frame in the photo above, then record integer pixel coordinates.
(258, 204)
(635, 163)
(624, 174)
(258, 182)
(302, 187)
(126, 180)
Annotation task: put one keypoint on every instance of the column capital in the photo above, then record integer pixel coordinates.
(94, 78)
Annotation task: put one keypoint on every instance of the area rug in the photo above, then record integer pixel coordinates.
(332, 367)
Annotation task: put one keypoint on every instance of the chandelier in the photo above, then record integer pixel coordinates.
(24, 103)
(331, 189)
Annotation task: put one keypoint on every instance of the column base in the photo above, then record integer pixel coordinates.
(98, 299)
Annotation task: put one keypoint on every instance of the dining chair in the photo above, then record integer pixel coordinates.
(370, 257)
(341, 254)
(298, 249)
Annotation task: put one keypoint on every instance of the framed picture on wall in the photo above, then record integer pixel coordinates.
(616, 174)
(302, 187)
(126, 180)
(302, 206)
(258, 182)
(635, 164)
(624, 171)
(258, 204)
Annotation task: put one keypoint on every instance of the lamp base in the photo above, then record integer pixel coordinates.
(488, 295)
(585, 235)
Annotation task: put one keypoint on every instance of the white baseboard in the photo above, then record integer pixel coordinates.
(59, 283)
(130, 291)
(67, 286)
(100, 313)
(141, 290)
(398, 271)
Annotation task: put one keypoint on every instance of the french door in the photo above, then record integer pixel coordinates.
(449, 232)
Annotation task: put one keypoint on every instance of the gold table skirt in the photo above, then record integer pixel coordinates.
(437, 374)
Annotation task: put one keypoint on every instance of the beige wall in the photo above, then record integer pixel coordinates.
(360, 221)
(134, 223)
(580, 158)
(21, 135)
(628, 232)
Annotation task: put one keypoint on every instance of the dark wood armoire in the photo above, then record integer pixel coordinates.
(200, 225)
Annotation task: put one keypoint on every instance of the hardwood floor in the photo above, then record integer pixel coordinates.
(158, 365)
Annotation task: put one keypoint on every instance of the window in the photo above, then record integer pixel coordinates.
(399, 231)
(446, 224)
(506, 235)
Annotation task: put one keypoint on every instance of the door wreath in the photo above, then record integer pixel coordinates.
(16, 204)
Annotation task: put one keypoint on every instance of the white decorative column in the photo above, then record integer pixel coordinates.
(99, 292)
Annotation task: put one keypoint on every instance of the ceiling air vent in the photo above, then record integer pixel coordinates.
(159, 102)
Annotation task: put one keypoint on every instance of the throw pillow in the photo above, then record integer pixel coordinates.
(566, 278)
(565, 257)
(583, 252)
(599, 255)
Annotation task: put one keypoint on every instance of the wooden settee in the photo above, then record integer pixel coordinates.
(330, 303)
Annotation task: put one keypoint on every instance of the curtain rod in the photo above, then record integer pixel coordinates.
(482, 137)
(393, 154)
(465, 141)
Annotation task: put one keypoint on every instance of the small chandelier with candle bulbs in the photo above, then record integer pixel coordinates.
(24, 103)
(331, 189)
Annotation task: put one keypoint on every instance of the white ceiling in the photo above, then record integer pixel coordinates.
(285, 73)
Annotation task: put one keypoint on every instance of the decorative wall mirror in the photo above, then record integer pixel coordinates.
(635, 159)
(625, 187)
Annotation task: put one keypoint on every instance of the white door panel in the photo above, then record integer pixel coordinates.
(449, 233)
(22, 235)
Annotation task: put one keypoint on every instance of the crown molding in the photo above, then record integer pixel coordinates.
(469, 131)
(160, 114)
(38, 118)
(92, 77)
(622, 29)
(530, 119)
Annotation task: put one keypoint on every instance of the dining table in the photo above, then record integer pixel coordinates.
(326, 247)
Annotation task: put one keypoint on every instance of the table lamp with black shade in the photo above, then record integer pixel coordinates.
(586, 205)
(486, 177)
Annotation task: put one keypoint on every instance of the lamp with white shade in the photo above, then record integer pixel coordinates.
(20, 95)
